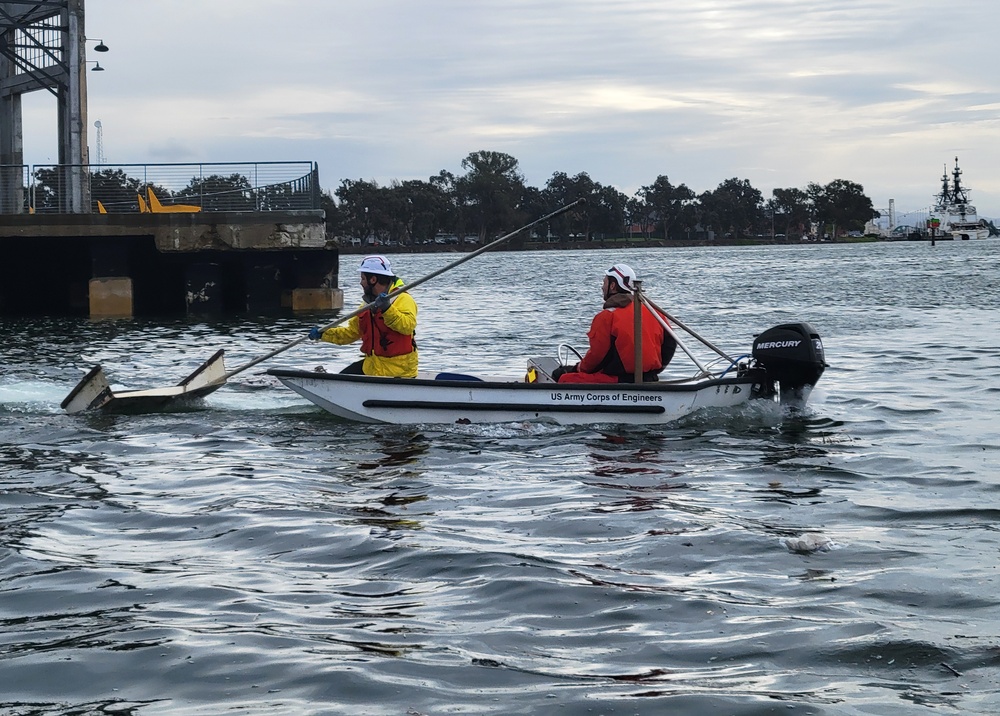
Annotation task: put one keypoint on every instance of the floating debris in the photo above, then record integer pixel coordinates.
(809, 542)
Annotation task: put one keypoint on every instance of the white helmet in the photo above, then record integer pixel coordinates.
(376, 264)
(623, 275)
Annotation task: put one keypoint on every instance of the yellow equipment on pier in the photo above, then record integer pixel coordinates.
(153, 205)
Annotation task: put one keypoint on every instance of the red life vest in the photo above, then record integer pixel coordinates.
(378, 339)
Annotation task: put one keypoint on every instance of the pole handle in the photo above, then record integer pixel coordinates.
(637, 330)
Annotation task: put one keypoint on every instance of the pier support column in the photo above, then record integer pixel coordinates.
(111, 297)
(203, 289)
(317, 299)
(110, 289)
(317, 280)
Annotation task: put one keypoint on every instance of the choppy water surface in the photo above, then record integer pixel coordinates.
(256, 556)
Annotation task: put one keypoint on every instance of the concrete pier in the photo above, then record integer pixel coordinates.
(197, 238)
(208, 263)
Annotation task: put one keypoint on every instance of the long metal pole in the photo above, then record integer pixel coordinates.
(401, 289)
(637, 330)
(688, 329)
(666, 326)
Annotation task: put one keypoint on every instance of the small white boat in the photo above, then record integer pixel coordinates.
(785, 362)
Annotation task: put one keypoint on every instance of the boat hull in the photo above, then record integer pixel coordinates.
(967, 232)
(417, 401)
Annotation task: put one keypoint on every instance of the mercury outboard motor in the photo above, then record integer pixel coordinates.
(792, 355)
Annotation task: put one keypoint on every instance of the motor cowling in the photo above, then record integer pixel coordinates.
(792, 354)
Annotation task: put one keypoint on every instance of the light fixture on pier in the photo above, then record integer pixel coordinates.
(96, 66)
(101, 47)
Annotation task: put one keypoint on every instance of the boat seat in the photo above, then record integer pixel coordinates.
(456, 376)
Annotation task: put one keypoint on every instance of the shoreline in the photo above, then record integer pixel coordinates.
(588, 245)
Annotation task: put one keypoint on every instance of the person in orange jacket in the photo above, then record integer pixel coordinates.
(611, 357)
(387, 331)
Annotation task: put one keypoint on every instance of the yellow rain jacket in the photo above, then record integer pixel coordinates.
(387, 337)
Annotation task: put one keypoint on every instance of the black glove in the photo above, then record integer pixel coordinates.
(564, 369)
(381, 303)
(315, 334)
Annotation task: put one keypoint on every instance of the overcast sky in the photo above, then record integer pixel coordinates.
(884, 93)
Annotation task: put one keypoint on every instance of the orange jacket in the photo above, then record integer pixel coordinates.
(612, 341)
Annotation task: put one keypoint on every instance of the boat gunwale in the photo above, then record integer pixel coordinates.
(653, 387)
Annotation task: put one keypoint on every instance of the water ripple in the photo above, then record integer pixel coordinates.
(251, 554)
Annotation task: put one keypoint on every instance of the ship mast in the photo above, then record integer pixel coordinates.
(944, 197)
(959, 193)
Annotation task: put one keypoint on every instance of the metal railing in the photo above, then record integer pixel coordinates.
(136, 188)
(14, 189)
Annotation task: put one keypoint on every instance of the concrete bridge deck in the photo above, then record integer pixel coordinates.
(129, 264)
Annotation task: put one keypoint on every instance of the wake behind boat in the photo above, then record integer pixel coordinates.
(785, 363)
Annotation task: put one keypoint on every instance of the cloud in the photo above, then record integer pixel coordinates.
(779, 92)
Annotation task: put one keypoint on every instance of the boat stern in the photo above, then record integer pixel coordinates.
(792, 356)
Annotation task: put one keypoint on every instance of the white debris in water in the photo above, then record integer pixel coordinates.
(809, 542)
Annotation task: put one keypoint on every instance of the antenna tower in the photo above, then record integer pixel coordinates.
(101, 159)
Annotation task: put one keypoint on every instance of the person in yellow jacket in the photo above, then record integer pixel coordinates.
(387, 331)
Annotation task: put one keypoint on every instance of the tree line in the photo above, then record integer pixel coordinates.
(491, 198)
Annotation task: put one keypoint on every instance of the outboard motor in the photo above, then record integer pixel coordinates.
(792, 355)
